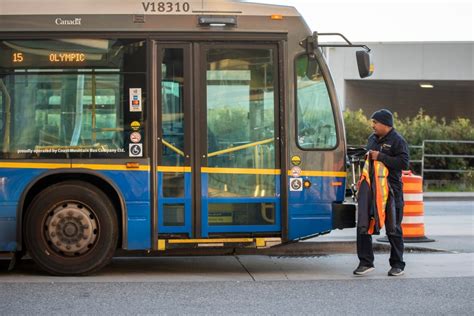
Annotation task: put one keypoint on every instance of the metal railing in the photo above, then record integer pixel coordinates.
(425, 155)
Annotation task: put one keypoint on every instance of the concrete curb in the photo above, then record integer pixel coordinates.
(328, 248)
(299, 249)
(448, 196)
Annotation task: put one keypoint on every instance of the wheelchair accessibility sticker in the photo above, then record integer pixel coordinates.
(135, 150)
(296, 184)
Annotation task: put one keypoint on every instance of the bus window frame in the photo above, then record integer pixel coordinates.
(331, 96)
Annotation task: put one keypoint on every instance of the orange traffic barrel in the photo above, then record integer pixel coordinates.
(413, 223)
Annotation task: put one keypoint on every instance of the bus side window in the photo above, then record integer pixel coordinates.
(316, 127)
(2, 115)
(70, 109)
(5, 117)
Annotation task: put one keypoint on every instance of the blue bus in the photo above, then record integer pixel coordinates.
(150, 126)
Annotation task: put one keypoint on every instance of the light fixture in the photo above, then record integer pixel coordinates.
(221, 21)
(426, 85)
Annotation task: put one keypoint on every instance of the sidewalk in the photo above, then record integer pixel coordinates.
(250, 268)
(449, 223)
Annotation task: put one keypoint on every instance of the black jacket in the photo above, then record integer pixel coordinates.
(394, 154)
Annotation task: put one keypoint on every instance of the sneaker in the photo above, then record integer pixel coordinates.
(395, 272)
(363, 270)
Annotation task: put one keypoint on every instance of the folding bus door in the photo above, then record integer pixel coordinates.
(239, 153)
(218, 141)
(174, 123)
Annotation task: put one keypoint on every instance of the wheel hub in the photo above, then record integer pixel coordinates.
(71, 229)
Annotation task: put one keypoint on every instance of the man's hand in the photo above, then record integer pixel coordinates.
(374, 155)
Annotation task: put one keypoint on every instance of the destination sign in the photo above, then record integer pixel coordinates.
(74, 57)
(73, 53)
(67, 57)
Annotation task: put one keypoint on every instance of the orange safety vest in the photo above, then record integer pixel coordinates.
(380, 193)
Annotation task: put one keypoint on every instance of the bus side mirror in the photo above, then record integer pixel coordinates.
(364, 63)
(311, 43)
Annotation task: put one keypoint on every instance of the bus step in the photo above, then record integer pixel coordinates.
(268, 242)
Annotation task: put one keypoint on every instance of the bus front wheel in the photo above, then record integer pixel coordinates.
(71, 229)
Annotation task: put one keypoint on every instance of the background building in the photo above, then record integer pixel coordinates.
(438, 77)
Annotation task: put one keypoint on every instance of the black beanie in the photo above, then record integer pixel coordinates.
(383, 116)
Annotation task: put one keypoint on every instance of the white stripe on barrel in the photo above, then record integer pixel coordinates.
(413, 197)
(413, 220)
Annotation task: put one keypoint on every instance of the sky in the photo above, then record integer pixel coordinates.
(389, 20)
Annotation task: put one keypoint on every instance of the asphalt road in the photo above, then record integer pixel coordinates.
(452, 296)
(434, 283)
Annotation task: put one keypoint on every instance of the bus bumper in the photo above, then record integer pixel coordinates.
(343, 215)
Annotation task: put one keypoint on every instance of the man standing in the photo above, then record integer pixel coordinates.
(389, 147)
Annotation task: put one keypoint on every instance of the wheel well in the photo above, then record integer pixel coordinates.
(100, 183)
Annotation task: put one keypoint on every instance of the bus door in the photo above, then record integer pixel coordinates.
(174, 129)
(218, 166)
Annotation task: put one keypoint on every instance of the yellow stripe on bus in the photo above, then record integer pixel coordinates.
(120, 167)
(321, 173)
(173, 169)
(241, 171)
(34, 165)
(43, 165)
(109, 167)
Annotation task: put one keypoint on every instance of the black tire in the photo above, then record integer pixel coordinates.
(71, 229)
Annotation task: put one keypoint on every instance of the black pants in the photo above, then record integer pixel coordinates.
(366, 253)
